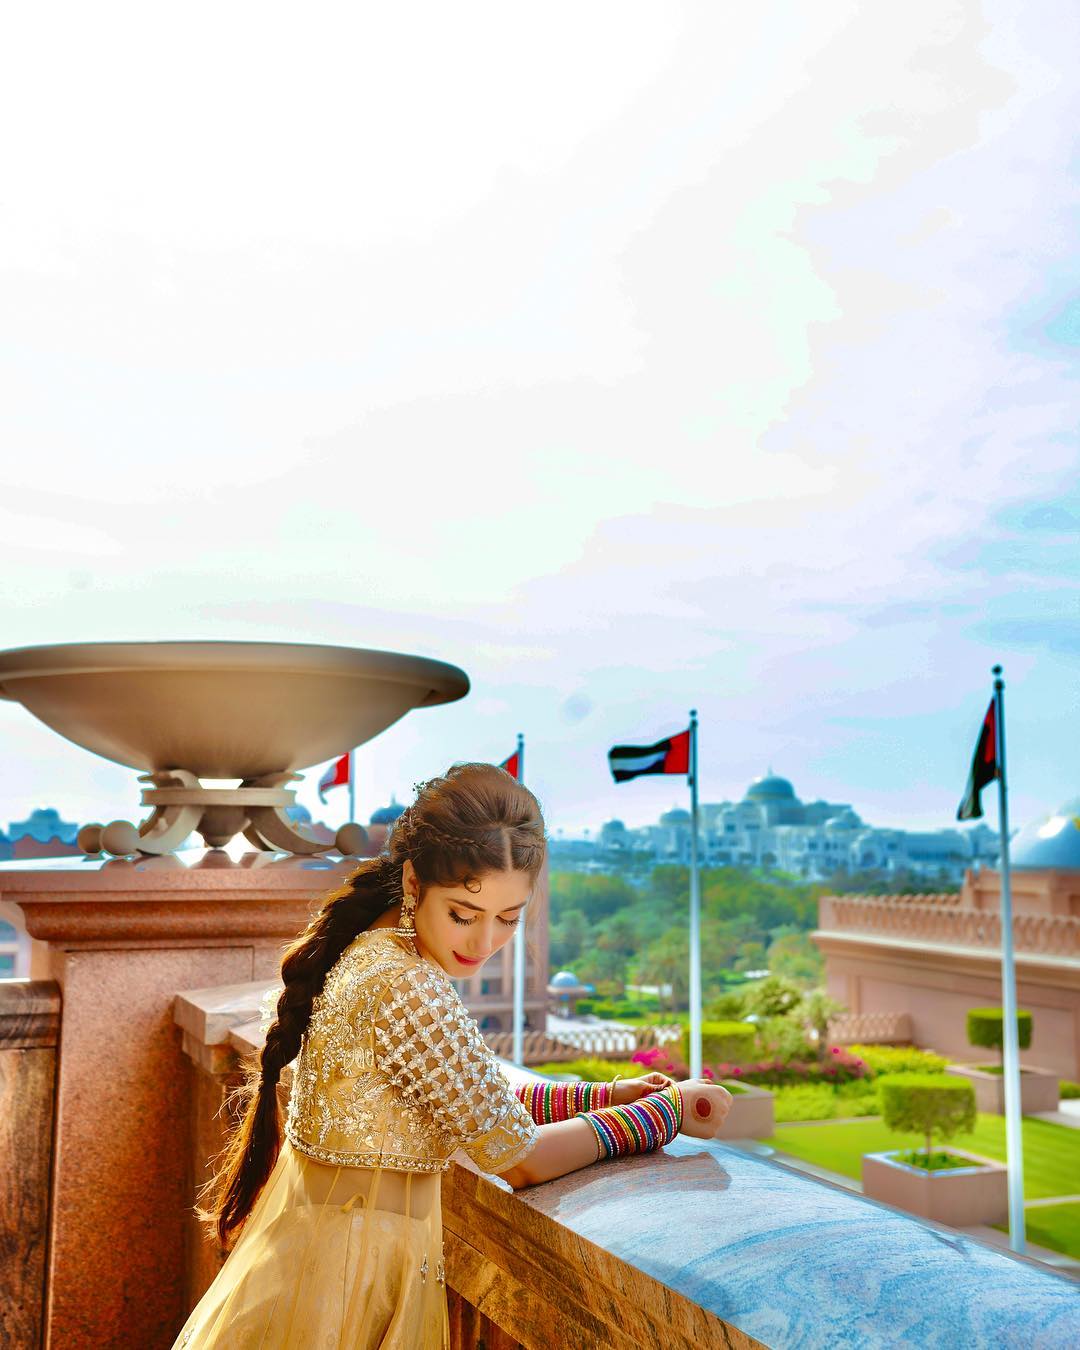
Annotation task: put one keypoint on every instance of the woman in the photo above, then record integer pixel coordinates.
(335, 1231)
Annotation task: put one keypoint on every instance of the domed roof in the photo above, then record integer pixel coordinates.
(676, 816)
(846, 820)
(770, 788)
(565, 979)
(386, 815)
(1051, 841)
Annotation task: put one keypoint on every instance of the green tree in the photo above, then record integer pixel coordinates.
(666, 962)
(772, 997)
(817, 1010)
(796, 957)
(569, 938)
(928, 1103)
(751, 956)
(986, 1027)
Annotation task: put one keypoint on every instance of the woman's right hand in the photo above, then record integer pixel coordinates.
(705, 1107)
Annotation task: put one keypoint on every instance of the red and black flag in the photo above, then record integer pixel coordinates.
(670, 756)
(984, 767)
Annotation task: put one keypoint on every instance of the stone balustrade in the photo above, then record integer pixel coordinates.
(871, 1028)
(702, 1245)
(954, 926)
(561, 1045)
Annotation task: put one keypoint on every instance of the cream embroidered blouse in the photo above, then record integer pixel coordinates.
(393, 1072)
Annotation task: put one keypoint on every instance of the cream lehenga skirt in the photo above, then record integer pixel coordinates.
(330, 1257)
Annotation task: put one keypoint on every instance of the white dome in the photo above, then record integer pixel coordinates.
(565, 979)
(1053, 841)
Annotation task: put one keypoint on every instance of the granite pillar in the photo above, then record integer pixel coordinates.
(29, 1026)
(123, 938)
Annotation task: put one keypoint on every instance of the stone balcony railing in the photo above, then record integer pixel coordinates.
(948, 926)
(703, 1245)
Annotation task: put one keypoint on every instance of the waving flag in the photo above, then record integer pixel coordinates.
(512, 765)
(670, 756)
(984, 767)
(337, 775)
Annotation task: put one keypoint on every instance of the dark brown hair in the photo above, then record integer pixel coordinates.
(472, 820)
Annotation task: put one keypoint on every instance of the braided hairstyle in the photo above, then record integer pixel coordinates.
(472, 820)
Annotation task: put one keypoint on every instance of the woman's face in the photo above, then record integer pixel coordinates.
(459, 929)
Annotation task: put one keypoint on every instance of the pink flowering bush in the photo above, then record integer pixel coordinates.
(838, 1066)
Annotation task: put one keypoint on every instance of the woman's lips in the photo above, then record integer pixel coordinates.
(465, 960)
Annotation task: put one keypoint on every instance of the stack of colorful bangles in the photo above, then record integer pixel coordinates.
(549, 1102)
(649, 1123)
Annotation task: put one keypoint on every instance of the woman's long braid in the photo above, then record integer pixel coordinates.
(304, 969)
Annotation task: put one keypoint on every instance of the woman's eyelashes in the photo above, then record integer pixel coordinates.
(510, 923)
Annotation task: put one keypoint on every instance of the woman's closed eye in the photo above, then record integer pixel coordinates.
(510, 923)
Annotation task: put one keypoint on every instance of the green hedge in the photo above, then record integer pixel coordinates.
(898, 1059)
(927, 1103)
(722, 1042)
(986, 1027)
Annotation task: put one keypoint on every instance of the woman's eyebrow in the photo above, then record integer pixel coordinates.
(465, 904)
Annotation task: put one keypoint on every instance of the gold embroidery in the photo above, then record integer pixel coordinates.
(393, 1071)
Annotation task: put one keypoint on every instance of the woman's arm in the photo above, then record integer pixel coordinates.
(569, 1145)
(563, 1147)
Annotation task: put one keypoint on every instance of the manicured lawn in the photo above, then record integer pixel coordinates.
(1051, 1152)
(1053, 1226)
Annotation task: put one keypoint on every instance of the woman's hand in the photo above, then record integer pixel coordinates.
(705, 1107)
(628, 1090)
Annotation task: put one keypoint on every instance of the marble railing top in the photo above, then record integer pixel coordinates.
(797, 1262)
(785, 1258)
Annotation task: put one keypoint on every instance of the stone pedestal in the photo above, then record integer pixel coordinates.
(959, 1196)
(1039, 1090)
(123, 938)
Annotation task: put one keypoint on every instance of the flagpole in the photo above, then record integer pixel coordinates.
(695, 909)
(1014, 1147)
(352, 785)
(519, 946)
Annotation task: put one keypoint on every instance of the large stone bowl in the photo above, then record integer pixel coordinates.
(222, 709)
(254, 711)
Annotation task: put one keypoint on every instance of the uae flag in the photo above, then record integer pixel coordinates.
(670, 756)
(984, 767)
(337, 775)
(512, 765)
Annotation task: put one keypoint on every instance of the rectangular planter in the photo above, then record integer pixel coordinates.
(751, 1115)
(959, 1197)
(1038, 1089)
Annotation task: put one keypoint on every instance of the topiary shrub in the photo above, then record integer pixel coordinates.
(928, 1104)
(722, 1042)
(986, 1028)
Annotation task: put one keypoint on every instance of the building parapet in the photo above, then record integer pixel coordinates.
(913, 919)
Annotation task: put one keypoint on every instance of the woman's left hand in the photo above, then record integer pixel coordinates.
(628, 1090)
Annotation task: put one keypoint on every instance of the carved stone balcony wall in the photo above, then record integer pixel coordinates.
(931, 958)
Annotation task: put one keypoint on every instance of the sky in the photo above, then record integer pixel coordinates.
(632, 358)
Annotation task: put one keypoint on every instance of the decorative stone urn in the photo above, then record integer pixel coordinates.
(1039, 1088)
(958, 1196)
(248, 711)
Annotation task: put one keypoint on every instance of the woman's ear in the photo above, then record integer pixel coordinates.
(408, 878)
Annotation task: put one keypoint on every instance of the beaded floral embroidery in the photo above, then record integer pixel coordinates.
(393, 1071)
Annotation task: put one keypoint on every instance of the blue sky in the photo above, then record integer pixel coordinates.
(632, 358)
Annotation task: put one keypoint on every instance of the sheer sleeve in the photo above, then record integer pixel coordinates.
(429, 1046)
